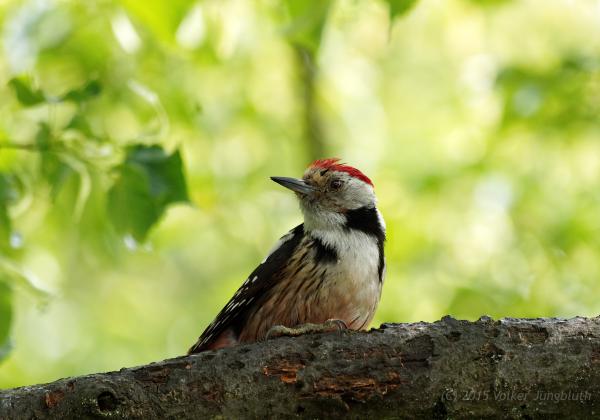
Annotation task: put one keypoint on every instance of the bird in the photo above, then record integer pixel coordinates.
(325, 274)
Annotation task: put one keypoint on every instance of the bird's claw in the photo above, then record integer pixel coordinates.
(331, 325)
(336, 323)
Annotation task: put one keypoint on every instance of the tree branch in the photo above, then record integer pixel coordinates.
(516, 368)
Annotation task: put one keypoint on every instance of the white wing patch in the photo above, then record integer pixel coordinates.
(242, 297)
(278, 244)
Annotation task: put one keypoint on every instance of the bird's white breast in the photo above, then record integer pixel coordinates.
(354, 279)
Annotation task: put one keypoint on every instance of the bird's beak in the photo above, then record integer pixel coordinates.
(294, 184)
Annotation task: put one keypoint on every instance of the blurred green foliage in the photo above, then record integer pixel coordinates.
(307, 20)
(136, 141)
(399, 7)
(147, 183)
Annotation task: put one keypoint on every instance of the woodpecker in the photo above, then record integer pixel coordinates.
(329, 269)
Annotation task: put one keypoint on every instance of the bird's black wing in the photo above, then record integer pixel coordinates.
(260, 280)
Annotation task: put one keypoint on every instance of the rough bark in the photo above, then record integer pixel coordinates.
(512, 368)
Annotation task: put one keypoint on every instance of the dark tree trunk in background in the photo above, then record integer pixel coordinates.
(512, 368)
(311, 119)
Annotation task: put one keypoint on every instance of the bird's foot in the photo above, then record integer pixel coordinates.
(331, 325)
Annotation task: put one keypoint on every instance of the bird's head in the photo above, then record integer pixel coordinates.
(328, 190)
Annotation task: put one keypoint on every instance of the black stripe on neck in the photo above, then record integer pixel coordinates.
(324, 253)
(365, 219)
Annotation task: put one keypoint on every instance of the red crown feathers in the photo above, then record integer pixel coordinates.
(333, 165)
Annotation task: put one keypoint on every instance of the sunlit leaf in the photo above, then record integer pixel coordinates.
(25, 92)
(307, 21)
(5, 318)
(486, 3)
(148, 181)
(17, 275)
(160, 17)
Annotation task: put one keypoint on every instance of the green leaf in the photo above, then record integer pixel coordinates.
(55, 172)
(8, 195)
(165, 174)
(5, 227)
(399, 7)
(9, 192)
(130, 206)
(26, 93)
(30, 96)
(307, 21)
(79, 123)
(52, 168)
(148, 181)
(84, 93)
(5, 318)
(43, 136)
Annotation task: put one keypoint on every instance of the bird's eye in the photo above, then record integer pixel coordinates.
(336, 184)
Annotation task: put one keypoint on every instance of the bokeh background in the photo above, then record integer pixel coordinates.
(137, 137)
